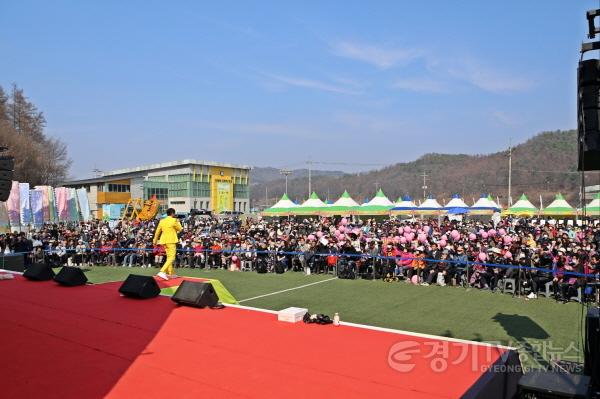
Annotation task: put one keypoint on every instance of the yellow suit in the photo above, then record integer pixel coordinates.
(166, 232)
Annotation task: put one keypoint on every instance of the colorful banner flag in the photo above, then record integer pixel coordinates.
(25, 205)
(45, 202)
(62, 205)
(73, 211)
(37, 200)
(52, 205)
(13, 205)
(4, 223)
(84, 204)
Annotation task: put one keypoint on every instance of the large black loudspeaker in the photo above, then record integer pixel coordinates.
(70, 276)
(553, 385)
(136, 286)
(39, 272)
(7, 164)
(591, 365)
(588, 114)
(197, 294)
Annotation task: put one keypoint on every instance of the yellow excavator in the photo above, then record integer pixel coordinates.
(136, 209)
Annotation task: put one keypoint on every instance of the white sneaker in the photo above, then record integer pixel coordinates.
(532, 295)
(162, 275)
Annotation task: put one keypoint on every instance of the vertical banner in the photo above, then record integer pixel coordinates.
(45, 202)
(25, 205)
(37, 202)
(73, 211)
(62, 209)
(52, 205)
(105, 212)
(4, 224)
(13, 205)
(84, 204)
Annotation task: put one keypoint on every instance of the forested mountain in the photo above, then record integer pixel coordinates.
(543, 165)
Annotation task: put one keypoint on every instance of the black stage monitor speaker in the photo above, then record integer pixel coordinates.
(136, 286)
(197, 294)
(588, 114)
(591, 365)
(39, 272)
(553, 385)
(70, 276)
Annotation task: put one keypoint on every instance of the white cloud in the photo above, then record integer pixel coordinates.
(503, 118)
(421, 84)
(380, 57)
(313, 84)
(486, 78)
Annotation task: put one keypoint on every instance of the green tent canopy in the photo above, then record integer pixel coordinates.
(559, 207)
(593, 208)
(379, 205)
(523, 207)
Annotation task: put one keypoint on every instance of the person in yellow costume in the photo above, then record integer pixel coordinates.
(166, 234)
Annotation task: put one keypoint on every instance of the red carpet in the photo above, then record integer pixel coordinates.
(89, 342)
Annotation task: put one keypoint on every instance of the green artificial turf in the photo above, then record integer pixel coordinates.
(540, 329)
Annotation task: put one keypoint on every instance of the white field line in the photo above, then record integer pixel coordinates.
(388, 330)
(287, 290)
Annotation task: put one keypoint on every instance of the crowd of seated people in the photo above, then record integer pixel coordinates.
(535, 254)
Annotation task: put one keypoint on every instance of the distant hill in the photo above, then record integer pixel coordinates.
(263, 175)
(543, 165)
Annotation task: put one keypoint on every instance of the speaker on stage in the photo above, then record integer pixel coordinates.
(591, 365)
(70, 276)
(197, 294)
(553, 385)
(136, 286)
(588, 114)
(39, 272)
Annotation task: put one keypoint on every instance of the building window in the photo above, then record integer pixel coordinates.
(100, 187)
(177, 202)
(201, 204)
(161, 193)
(118, 188)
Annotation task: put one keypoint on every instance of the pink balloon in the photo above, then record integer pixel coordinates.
(508, 255)
(507, 240)
(481, 231)
(402, 240)
(444, 238)
(455, 235)
(422, 237)
(472, 237)
(420, 231)
(234, 258)
(344, 221)
(426, 229)
(319, 234)
(492, 232)
(482, 257)
(484, 235)
(341, 229)
(502, 232)
(397, 239)
(414, 279)
(443, 243)
(407, 229)
(311, 237)
(411, 236)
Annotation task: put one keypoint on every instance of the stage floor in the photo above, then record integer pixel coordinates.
(89, 342)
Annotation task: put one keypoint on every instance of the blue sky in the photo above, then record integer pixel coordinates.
(278, 83)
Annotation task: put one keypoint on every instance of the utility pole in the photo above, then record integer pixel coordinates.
(424, 176)
(309, 163)
(286, 173)
(509, 172)
(266, 197)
